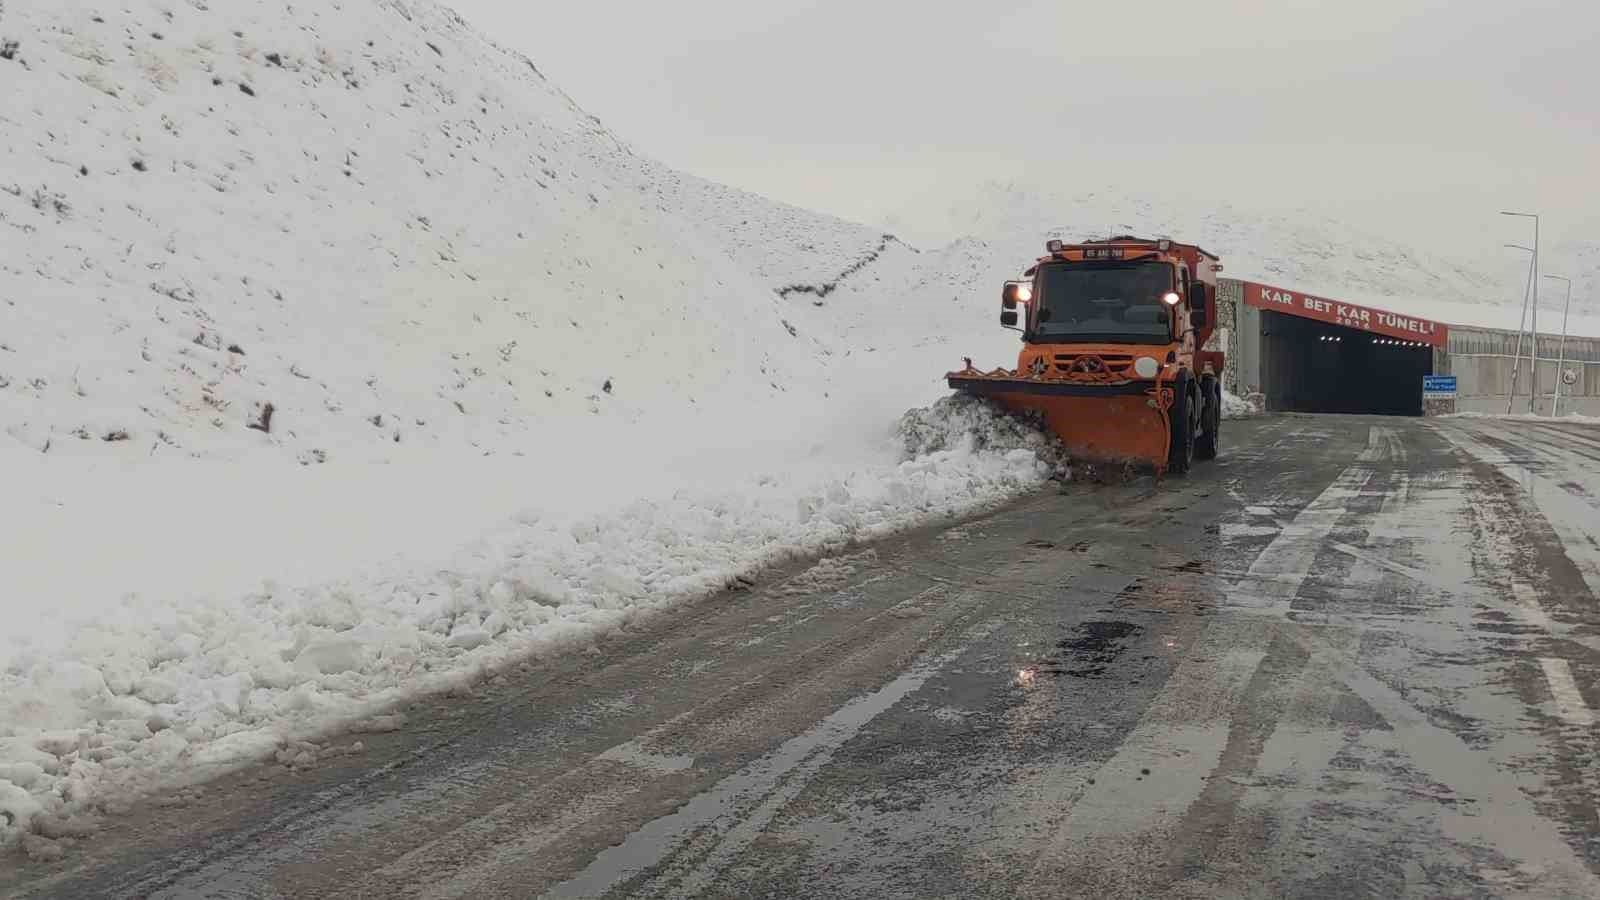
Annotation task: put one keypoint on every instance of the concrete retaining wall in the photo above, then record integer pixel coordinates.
(1482, 361)
(1483, 384)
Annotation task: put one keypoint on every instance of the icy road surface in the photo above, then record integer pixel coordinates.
(1356, 657)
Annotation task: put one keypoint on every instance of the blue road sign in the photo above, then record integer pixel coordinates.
(1438, 387)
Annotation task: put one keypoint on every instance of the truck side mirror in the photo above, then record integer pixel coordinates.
(1015, 292)
(1008, 318)
(1197, 295)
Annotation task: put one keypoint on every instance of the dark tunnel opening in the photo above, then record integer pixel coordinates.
(1312, 366)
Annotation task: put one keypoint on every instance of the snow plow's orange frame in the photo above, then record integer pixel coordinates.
(1104, 423)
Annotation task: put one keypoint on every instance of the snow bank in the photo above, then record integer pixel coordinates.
(161, 692)
(1237, 407)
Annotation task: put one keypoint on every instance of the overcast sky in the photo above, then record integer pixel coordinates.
(1397, 116)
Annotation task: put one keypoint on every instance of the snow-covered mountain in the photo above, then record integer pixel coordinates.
(1298, 248)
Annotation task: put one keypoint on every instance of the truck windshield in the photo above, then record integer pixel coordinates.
(1103, 301)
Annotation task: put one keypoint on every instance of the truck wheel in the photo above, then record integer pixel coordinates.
(1181, 457)
(1205, 445)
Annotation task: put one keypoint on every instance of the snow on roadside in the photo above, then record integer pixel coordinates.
(1237, 407)
(1573, 418)
(168, 693)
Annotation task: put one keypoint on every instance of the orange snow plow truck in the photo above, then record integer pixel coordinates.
(1111, 359)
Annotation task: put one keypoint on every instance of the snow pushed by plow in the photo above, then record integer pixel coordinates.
(964, 421)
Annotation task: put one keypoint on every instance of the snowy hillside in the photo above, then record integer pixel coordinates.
(523, 383)
(369, 218)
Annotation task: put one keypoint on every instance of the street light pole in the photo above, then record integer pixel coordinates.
(1561, 355)
(1516, 359)
(1533, 330)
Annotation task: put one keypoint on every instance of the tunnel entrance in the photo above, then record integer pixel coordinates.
(1312, 366)
(1328, 356)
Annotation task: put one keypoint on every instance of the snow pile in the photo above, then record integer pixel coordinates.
(967, 423)
(156, 692)
(1237, 407)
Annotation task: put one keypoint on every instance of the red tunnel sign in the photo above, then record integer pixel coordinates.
(1350, 315)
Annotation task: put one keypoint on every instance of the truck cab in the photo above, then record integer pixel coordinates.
(1116, 318)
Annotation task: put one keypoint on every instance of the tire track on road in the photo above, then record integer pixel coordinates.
(1125, 833)
(1574, 517)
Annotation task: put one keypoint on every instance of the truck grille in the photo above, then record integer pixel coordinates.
(1117, 363)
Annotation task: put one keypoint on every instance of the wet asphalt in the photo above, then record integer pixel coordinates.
(1353, 657)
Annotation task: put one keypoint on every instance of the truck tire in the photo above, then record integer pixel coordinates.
(1205, 444)
(1181, 456)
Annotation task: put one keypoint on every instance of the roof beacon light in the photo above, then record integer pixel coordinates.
(1171, 298)
(1053, 246)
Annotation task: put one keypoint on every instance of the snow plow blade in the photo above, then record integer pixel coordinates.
(1115, 424)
